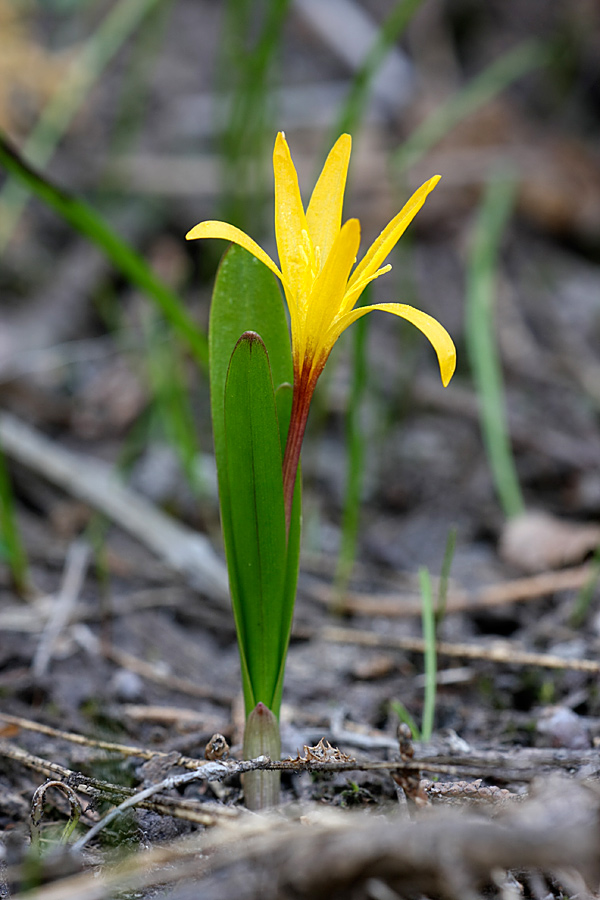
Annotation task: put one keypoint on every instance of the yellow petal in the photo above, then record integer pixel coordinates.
(214, 229)
(438, 336)
(291, 230)
(389, 237)
(324, 213)
(327, 295)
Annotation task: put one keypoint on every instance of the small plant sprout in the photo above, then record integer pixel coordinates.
(258, 421)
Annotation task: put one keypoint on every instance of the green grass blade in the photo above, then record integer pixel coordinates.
(120, 22)
(257, 545)
(132, 103)
(482, 264)
(91, 225)
(11, 547)
(355, 103)
(404, 716)
(429, 636)
(442, 596)
(165, 364)
(246, 142)
(583, 600)
(492, 81)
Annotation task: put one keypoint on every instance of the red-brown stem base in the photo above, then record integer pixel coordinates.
(304, 387)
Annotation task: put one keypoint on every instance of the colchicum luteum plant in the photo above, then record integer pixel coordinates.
(261, 388)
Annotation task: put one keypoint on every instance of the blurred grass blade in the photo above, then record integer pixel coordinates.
(353, 108)
(252, 36)
(92, 226)
(479, 91)
(257, 541)
(172, 397)
(429, 636)
(404, 716)
(11, 547)
(122, 20)
(442, 597)
(131, 105)
(583, 600)
(496, 207)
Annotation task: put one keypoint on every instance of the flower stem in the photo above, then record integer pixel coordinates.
(303, 390)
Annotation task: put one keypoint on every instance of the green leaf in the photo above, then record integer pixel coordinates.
(247, 298)
(257, 542)
(90, 224)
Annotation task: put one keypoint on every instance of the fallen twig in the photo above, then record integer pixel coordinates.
(318, 853)
(499, 651)
(190, 810)
(93, 482)
(64, 603)
(403, 604)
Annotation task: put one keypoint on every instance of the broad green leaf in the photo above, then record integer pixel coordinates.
(257, 544)
(246, 298)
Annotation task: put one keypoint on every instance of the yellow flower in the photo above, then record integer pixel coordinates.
(316, 255)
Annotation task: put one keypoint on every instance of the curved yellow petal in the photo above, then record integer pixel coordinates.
(389, 237)
(438, 336)
(227, 232)
(324, 213)
(291, 231)
(327, 297)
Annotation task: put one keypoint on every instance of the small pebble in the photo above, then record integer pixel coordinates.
(127, 687)
(564, 728)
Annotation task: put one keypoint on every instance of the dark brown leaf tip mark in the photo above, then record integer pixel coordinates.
(250, 337)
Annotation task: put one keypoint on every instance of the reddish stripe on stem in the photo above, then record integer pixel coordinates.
(304, 386)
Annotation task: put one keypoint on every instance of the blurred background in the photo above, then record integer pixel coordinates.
(125, 123)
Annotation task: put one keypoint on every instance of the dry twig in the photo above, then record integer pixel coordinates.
(324, 853)
(95, 483)
(499, 651)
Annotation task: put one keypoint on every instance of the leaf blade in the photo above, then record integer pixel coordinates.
(257, 546)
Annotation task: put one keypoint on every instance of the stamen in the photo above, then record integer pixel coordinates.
(363, 282)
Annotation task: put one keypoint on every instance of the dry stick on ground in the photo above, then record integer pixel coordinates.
(325, 853)
(521, 762)
(502, 652)
(65, 602)
(151, 672)
(186, 762)
(330, 762)
(190, 810)
(93, 482)
(32, 618)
